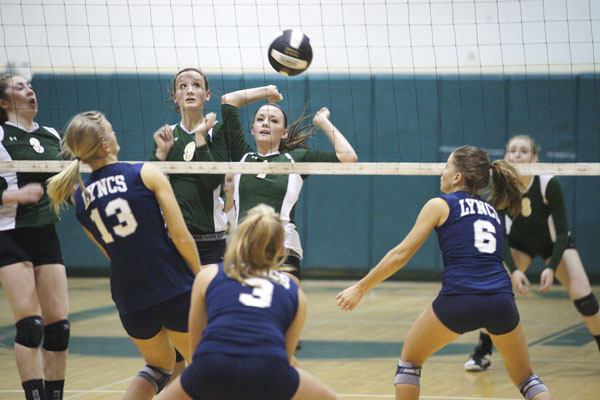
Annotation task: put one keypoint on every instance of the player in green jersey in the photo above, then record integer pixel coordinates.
(32, 270)
(278, 140)
(541, 230)
(199, 196)
(198, 137)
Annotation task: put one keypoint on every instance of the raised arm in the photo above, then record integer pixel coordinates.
(343, 149)
(155, 180)
(433, 213)
(235, 144)
(241, 98)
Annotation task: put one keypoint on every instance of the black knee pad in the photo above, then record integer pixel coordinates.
(30, 331)
(56, 336)
(587, 305)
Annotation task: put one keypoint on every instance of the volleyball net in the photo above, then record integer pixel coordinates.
(406, 81)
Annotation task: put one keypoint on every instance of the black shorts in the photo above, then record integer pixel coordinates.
(534, 247)
(38, 245)
(171, 314)
(211, 251)
(293, 260)
(226, 377)
(468, 312)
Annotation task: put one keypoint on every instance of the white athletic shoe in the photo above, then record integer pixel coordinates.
(478, 363)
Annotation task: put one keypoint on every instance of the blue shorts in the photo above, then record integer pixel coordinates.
(171, 314)
(226, 377)
(38, 245)
(468, 312)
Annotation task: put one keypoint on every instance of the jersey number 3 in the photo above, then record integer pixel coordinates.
(485, 238)
(127, 222)
(261, 296)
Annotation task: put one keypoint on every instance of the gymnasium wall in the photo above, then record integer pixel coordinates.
(347, 223)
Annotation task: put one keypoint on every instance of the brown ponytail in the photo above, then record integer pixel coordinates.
(475, 166)
(506, 188)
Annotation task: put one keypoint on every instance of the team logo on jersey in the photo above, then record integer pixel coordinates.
(188, 151)
(526, 207)
(37, 146)
(12, 138)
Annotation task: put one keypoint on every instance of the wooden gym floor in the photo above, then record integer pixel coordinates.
(355, 353)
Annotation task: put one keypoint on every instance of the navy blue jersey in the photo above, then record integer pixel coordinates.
(125, 218)
(471, 244)
(249, 321)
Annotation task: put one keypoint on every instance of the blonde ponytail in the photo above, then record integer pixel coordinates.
(83, 139)
(62, 185)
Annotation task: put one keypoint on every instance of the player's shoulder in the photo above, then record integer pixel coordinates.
(52, 131)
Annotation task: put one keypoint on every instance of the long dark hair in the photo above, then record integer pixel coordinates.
(473, 163)
(299, 131)
(4, 79)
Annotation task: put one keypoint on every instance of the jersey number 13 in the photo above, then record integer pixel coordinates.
(127, 222)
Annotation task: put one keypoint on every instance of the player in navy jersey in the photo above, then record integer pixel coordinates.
(32, 270)
(245, 320)
(541, 229)
(124, 208)
(476, 289)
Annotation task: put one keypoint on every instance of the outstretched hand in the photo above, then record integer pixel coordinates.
(164, 140)
(321, 117)
(273, 95)
(348, 299)
(520, 281)
(546, 279)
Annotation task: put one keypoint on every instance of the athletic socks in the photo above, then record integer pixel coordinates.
(485, 344)
(34, 389)
(54, 389)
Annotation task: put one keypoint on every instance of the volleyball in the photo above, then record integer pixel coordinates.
(290, 53)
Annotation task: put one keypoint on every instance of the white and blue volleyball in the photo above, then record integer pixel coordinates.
(290, 53)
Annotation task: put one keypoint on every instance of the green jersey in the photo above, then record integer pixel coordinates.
(541, 229)
(279, 191)
(199, 195)
(42, 143)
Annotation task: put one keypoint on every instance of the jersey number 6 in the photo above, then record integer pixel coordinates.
(127, 222)
(485, 239)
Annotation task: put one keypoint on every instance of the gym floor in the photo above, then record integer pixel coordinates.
(354, 353)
